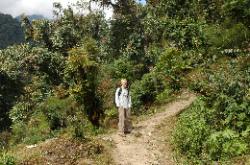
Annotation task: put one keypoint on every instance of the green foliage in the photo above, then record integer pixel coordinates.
(76, 123)
(181, 9)
(64, 114)
(153, 28)
(18, 132)
(124, 27)
(225, 111)
(67, 75)
(4, 139)
(112, 113)
(122, 68)
(41, 32)
(9, 90)
(6, 159)
(165, 94)
(56, 111)
(51, 117)
(144, 91)
(192, 130)
(238, 10)
(12, 76)
(67, 31)
(27, 72)
(20, 62)
(10, 31)
(196, 137)
(227, 37)
(21, 112)
(186, 33)
(174, 64)
(152, 54)
(81, 75)
(225, 144)
(35, 130)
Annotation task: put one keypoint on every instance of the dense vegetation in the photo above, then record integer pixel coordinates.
(63, 80)
(10, 31)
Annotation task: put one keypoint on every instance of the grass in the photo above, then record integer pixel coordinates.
(63, 151)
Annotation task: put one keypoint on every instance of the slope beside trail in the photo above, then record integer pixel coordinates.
(142, 145)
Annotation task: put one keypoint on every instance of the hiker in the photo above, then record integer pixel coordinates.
(123, 103)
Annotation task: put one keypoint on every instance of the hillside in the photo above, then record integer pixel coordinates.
(142, 146)
(32, 17)
(61, 84)
(10, 31)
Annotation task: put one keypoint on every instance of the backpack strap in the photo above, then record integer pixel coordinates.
(120, 91)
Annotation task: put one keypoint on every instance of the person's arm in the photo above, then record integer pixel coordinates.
(117, 101)
(129, 102)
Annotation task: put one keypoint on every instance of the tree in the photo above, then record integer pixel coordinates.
(238, 11)
(10, 89)
(10, 31)
(81, 75)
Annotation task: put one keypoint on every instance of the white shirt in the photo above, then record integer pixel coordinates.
(124, 100)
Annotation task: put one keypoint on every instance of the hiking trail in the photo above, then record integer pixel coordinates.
(142, 146)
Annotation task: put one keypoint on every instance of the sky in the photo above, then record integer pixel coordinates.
(42, 7)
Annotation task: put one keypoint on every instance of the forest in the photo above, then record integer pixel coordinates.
(10, 31)
(61, 81)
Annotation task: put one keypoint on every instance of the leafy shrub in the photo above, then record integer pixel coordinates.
(192, 130)
(34, 93)
(195, 135)
(225, 144)
(122, 68)
(112, 113)
(21, 112)
(237, 10)
(225, 111)
(64, 115)
(186, 33)
(174, 64)
(234, 36)
(81, 75)
(76, 125)
(56, 111)
(111, 118)
(164, 95)
(152, 54)
(19, 130)
(106, 89)
(233, 114)
(27, 74)
(37, 129)
(52, 117)
(7, 159)
(144, 92)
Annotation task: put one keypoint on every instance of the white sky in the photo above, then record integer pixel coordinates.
(29, 7)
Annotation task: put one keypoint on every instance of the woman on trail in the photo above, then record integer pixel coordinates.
(123, 103)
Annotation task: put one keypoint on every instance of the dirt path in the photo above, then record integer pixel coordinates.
(142, 147)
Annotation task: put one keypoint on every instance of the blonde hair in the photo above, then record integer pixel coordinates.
(124, 81)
